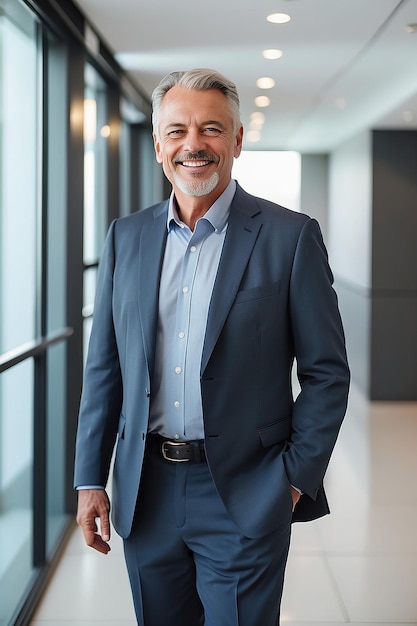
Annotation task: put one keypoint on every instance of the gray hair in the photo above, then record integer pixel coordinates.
(202, 79)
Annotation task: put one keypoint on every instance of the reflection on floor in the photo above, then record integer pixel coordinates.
(356, 566)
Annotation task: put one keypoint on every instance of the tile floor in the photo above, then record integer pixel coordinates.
(356, 566)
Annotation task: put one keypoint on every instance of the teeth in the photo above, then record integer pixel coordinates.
(195, 163)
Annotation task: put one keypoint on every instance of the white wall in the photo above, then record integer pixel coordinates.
(350, 211)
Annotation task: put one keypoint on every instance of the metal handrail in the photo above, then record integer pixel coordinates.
(32, 348)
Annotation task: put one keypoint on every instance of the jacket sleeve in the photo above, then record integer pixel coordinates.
(102, 388)
(322, 367)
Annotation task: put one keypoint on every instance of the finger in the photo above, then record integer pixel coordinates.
(100, 545)
(105, 526)
(94, 539)
(89, 528)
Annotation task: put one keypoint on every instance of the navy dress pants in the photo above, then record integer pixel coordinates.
(188, 564)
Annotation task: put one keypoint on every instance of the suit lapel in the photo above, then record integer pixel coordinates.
(151, 253)
(242, 232)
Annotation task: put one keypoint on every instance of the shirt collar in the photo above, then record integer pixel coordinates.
(217, 214)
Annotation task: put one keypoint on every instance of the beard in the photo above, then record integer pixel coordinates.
(197, 188)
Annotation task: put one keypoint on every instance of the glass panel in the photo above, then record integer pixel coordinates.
(125, 169)
(55, 462)
(95, 185)
(18, 288)
(131, 117)
(56, 293)
(16, 476)
(18, 182)
(95, 165)
(90, 278)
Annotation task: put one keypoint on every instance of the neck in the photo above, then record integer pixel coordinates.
(191, 208)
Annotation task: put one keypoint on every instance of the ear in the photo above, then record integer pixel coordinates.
(238, 142)
(157, 146)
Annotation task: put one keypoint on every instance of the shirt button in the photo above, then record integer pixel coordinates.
(176, 436)
(181, 335)
(185, 290)
(176, 404)
(178, 370)
(193, 249)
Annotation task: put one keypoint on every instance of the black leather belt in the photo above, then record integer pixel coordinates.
(181, 451)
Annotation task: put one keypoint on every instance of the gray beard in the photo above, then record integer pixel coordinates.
(198, 187)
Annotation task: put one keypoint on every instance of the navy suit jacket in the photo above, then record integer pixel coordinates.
(272, 302)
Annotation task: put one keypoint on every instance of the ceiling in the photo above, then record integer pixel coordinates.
(347, 65)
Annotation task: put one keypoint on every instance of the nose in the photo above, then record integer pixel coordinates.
(194, 140)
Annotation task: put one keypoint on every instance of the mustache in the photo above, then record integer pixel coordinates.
(201, 155)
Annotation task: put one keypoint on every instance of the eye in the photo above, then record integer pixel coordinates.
(177, 132)
(212, 131)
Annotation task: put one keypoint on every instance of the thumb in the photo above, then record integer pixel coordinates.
(105, 526)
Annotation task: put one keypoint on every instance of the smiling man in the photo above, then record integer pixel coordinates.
(203, 303)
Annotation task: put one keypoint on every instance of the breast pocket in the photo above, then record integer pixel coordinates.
(258, 293)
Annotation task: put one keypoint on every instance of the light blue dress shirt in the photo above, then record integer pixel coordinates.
(188, 273)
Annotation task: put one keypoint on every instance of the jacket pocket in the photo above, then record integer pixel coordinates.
(258, 293)
(276, 432)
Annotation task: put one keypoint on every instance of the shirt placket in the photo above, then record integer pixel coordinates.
(183, 319)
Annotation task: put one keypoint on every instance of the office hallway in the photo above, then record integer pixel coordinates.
(356, 566)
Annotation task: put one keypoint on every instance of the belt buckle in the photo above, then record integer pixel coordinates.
(173, 443)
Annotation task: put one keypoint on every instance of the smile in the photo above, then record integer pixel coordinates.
(195, 163)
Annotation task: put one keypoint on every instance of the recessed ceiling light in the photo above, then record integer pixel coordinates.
(278, 18)
(265, 82)
(411, 28)
(272, 54)
(262, 101)
(257, 116)
(256, 125)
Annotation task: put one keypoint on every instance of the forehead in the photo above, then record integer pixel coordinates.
(184, 105)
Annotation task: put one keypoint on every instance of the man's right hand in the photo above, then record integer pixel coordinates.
(93, 504)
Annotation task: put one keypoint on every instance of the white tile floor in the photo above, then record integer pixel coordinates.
(356, 566)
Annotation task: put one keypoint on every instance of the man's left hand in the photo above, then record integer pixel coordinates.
(295, 497)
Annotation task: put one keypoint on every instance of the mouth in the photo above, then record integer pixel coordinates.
(195, 161)
(194, 164)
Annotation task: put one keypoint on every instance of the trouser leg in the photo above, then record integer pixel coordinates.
(239, 580)
(185, 553)
(160, 566)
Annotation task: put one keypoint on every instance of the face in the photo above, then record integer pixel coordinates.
(196, 143)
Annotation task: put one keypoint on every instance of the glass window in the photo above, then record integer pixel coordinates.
(18, 288)
(16, 475)
(56, 291)
(18, 181)
(32, 298)
(95, 165)
(56, 445)
(131, 120)
(96, 132)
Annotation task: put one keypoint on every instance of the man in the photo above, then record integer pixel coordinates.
(203, 303)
